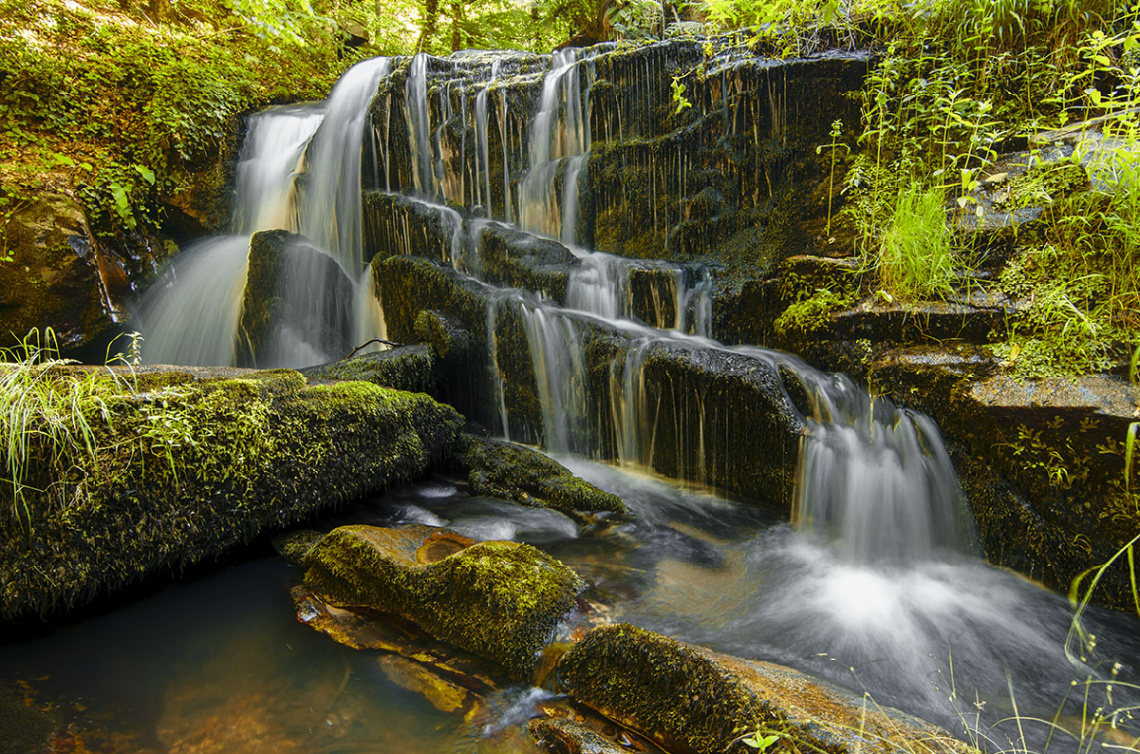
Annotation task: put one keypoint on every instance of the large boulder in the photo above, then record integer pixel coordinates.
(499, 600)
(294, 290)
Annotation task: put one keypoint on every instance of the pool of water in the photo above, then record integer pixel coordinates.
(220, 664)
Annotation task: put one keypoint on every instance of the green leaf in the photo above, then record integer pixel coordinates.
(146, 173)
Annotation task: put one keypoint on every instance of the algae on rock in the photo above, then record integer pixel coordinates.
(499, 600)
(513, 472)
(183, 468)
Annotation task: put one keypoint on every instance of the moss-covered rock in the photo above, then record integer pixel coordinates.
(689, 699)
(663, 688)
(182, 469)
(513, 472)
(499, 600)
(411, 368)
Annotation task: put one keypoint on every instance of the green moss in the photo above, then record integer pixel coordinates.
(811, 314)
(409, 368)
(189, 468)
(525, 476)
(500, 600)
(667, 690)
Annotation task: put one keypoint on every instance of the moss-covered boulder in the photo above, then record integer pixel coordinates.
(520, 474)
(689, 699)
(183, 467)
(499, 600)
(411, 368)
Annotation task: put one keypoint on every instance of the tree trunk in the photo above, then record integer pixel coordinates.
(457, 15)
(431, 20)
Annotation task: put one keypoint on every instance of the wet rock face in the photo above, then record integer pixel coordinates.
(499, 600)
(1041, 460)
(292, 287)
(54, 274)
(660, 182)
(750, 440)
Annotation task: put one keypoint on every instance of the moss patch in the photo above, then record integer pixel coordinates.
(664, 689)
(184, 469)
(409, 368)
(499, 600)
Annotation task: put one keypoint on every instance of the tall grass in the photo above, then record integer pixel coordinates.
(916, 259)
(47, 420)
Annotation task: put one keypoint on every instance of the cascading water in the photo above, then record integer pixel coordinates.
(559, 140)
(878, 587)
(300, 171)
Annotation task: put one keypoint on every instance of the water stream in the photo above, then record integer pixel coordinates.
(877, 586)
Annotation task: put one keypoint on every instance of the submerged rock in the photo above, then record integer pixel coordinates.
(689, 699)
(185, 468)
(500, 600)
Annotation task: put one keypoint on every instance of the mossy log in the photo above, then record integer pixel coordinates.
(186, 467)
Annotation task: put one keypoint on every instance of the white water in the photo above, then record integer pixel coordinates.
(300, 171)
(877, 587)
(561, 129)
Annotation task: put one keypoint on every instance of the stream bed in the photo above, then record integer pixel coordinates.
(220, 664)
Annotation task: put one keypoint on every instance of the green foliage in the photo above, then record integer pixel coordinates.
(916, 260)
(46, 423)
(137, 102)
(811, 314)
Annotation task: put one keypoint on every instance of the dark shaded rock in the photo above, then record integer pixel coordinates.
(499, 600)
(293, 288)
(519, 259)
(689, 699)
(450, 342)
(58, 275)
(411, 368)
(184, 469)
(513, 472)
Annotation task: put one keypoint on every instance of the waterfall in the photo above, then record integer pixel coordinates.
(876, 480)
(418, 118)
(300, 170)
(330, 204)
(483, 155)
(561, 129)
